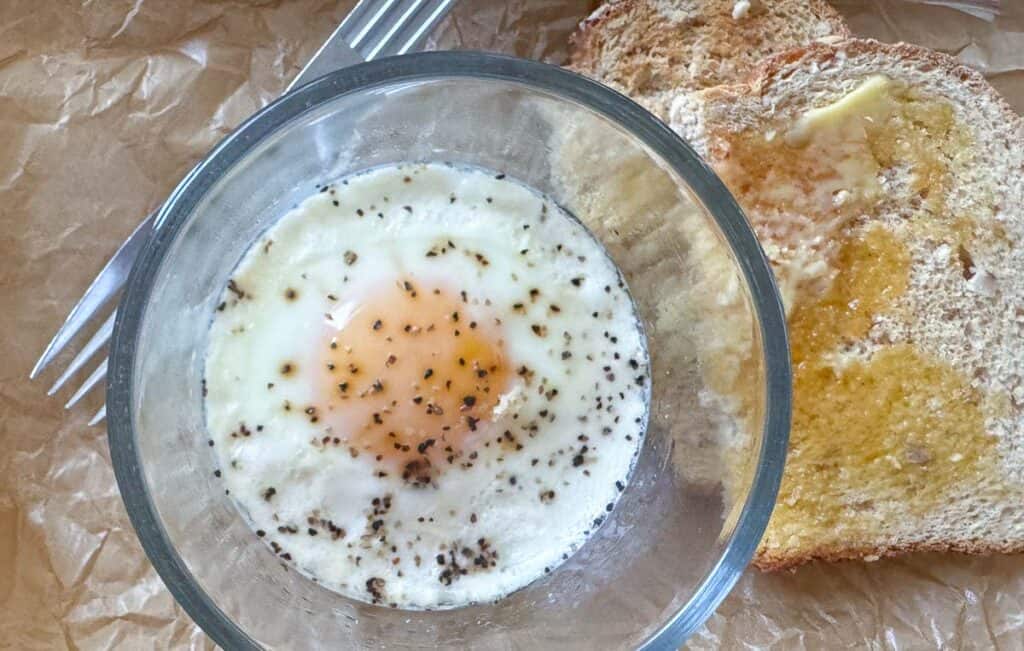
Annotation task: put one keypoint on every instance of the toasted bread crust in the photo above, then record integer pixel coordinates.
(777, 561)
(694, 50)
(761, 78)
(762, 84)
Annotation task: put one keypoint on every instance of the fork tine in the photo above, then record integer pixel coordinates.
(93, 379)
(101, 337)
(102, 289)
(380, 41)
(414, 28)
(364, 21)
(98, 416)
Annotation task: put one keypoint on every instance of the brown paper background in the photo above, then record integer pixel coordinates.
(105, 105)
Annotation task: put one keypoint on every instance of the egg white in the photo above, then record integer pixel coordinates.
(504, 498)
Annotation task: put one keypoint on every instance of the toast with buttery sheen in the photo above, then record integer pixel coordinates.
(886, 183)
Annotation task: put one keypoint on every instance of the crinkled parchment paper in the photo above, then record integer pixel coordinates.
(104, 106)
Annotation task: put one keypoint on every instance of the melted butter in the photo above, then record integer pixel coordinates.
(890, 434)
(830, 162)
(900, 427)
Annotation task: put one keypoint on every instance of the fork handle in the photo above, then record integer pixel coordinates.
(333, 55)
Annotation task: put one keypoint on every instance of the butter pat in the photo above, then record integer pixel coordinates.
(871, 98)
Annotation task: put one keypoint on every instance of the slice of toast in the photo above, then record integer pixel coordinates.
(886, 183)
(652, 49)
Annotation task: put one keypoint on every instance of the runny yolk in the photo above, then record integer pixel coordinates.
(411, 378)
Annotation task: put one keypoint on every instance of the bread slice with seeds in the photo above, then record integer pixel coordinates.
(652, 49)
(886, 183)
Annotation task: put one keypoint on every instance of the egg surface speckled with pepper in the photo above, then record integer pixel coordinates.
(426, 386)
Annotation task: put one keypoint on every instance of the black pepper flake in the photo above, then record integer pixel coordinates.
(216, 473)
(469, 401)
(407, 209)
(577, 281)
(359, 211)
(375, 586)
(434, 410)
(377, 324)
(269, 493)
(429, 372)
(577, 461)
(472, 423)
(261, 533)
(235, 289)
(500, 176)
(350, 258)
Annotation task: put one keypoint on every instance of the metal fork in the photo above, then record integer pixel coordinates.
(374, 29)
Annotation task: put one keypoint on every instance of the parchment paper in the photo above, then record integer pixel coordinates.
(105, 105)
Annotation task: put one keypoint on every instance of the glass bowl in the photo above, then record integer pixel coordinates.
(706, 479)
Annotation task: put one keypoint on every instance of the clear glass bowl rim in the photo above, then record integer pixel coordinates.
(654, 134)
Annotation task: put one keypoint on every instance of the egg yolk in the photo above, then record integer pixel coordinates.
(411, 378)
